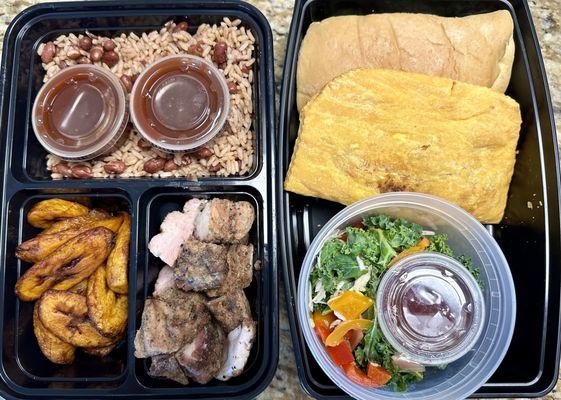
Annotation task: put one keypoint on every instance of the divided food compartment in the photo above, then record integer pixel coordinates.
(24, 371)
(529, 234)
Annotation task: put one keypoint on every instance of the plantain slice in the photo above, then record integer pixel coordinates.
(118, 260)
(56, 350)
(99, 351)
(107, 310)
(40, 247)
(67, 265)
(80, 288)
(103, 351)
(76, 222)
(44, 213)
(65, 314)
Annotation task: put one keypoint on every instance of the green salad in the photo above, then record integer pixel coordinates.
(344, 282)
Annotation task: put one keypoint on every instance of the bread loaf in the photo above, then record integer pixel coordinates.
(477, 49)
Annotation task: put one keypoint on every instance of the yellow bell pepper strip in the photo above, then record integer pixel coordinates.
(423, 244)
(338, 334)
(350, 305)
(322, 324)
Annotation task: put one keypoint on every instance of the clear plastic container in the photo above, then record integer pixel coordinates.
(81, 113)
(180, 102)
(430, 308)
(466, 236)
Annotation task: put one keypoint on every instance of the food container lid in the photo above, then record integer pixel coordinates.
(180, 102)
(80, 113)
(430, 308)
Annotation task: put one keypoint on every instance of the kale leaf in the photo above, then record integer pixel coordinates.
(376, 349)
(401, 234)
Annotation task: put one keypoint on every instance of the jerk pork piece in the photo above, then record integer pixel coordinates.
(224, 221)
(231, 309)
(201, 266)
(166, 365)
(239, 347)
(240, 270)
(204, 356)
(168, 321)
(175, 230)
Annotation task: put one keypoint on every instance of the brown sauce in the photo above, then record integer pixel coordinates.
(178, 101)
(77, 107)
(80, 113)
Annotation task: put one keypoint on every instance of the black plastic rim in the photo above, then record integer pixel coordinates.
(19, 189)
(296, 231)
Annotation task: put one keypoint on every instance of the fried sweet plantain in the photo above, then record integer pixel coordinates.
(44, 213)
(40, 247)
(103, 351)
(80, 288)
(65, 314)
(76, 222)
(99, 351)
(56, 350)
(66, 266)
(118, 260)
(107, 310)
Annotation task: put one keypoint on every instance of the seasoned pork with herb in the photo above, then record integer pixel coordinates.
(225, 221)
(201, 266)
(203, 357)
(166, 366)
(240, 270)
(169, 320)
(230, 310)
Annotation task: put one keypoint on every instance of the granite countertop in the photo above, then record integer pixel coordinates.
(547, 19)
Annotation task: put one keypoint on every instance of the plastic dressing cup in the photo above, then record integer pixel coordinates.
(180, 102)
(80, 113)
(430, 308)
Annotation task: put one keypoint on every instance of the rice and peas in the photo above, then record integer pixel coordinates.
(231, 152)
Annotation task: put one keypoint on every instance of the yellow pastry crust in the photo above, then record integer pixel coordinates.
(371, 131)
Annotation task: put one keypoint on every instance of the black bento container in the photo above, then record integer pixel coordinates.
(24, 371)
(529, 235)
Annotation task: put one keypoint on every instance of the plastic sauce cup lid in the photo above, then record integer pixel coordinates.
(180, 102)
(430, 308)
(80, 113)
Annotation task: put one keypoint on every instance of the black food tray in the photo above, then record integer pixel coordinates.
(529, 237)
(24, 372)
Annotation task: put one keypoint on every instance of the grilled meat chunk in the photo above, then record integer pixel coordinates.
(201, 266)
(240, 270)
(170, 320)
(166, 365)
(231, 309)
(204, 356)
(175, 230)
(225, 221)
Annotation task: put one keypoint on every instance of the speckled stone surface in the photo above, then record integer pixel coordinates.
(547, 19)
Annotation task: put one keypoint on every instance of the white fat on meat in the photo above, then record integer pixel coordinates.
(176, 228)
(166, 280)
(202, 222)
(239, 347)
